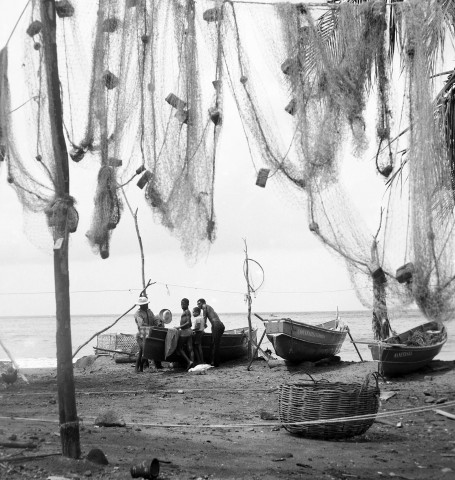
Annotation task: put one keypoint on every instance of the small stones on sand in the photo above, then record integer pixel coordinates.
(109, 419)
(97, 456)
(268, 415)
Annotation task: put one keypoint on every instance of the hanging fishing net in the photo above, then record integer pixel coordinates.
(141, 99)
(143, 86)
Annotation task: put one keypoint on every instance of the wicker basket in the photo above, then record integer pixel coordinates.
(118, 341)
(321, 400)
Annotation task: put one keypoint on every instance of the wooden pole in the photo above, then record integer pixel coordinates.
(15, 365)
(249, 301)
(69, 423)
(256, 351)
(355, 346)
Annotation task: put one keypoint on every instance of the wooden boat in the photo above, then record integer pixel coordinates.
(299, 342)
(234, 345)
(397, 357)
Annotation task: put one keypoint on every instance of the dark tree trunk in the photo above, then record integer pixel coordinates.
(69, 424)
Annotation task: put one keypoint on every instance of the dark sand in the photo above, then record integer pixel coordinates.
(410, 446)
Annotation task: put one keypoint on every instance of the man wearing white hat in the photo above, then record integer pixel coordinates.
(144, 317)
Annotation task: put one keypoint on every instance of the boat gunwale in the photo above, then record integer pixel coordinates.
(392, 346)
(308, 325)
(386, 345)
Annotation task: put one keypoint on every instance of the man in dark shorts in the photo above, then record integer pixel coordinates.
(144, 317)
(217, 330)
(198, 331)
(186, 334)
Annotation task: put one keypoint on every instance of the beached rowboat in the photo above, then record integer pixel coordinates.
(234, 345)
(402, 354)
(299, 342)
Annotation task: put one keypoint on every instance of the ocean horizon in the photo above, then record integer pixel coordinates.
(31, 339)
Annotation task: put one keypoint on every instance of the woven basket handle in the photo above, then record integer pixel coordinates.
(366, 382)
(306, 373)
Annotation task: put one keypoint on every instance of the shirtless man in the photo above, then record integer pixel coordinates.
(217, 329)
(186, 334)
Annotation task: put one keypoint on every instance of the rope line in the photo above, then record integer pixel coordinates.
(291, 292)
(372, 416)
(35, 97)
(158, 392)
(17, 23)
(307, 4)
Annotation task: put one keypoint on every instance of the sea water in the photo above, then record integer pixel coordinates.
(31, 340)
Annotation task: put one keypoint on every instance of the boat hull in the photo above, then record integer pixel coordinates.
(396, 359)
(233, 345)
(299, 342)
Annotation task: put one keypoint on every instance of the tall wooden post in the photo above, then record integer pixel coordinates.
(69, 424)
(249, 301)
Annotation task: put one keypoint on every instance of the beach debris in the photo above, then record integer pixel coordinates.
(180, 391)
(109, 418)
(386, 395)
(268, 415)
(441, 400)
(146, 469)
(273, 363)
(326, 361)
(445, 414)
(446, 470)
(200, 369)
(97, 456)
(27, 445)
(430, 400)
(385, 422)
(10, 376)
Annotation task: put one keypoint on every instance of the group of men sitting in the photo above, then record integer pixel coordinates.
(189, 344)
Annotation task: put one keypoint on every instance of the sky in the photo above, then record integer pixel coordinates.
(300, 273)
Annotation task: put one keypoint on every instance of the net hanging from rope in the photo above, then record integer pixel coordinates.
(148, 110)
(143, 85)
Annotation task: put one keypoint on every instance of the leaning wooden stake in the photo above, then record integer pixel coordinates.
(69, 422)
(103, 330)
(258, 346)
(355, 346)
(15, 365)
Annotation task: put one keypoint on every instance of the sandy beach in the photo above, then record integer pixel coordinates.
(224, 424)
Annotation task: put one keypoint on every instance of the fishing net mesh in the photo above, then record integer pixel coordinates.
(143, 85)
(130, 74)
